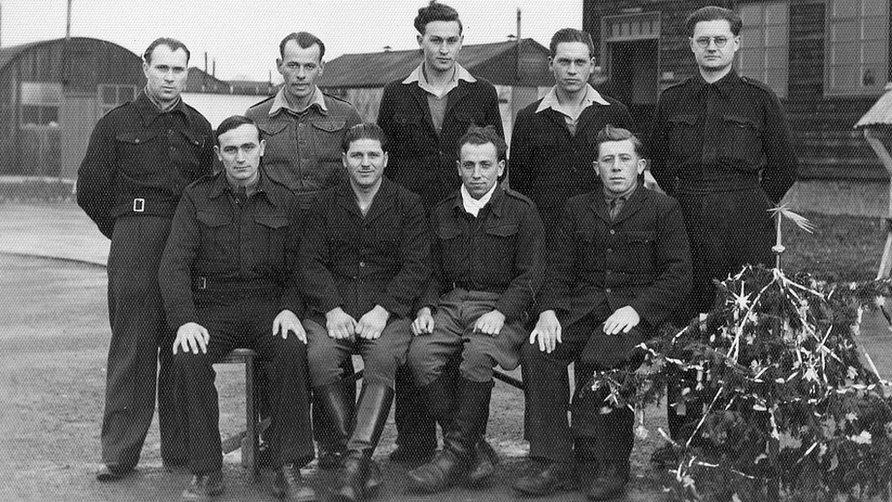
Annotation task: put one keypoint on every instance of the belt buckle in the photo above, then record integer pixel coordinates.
(139, 205)
(202, 283)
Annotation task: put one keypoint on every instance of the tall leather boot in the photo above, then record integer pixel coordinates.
(371, 415)
(459, 441)
(333, 406)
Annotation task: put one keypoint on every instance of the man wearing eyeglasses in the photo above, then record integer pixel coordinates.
(721, 146)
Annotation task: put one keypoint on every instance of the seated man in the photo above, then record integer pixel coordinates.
(229, 279)
(365, 263)
(486, 251)
(618, 267)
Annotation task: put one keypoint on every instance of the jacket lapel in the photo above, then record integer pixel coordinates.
(420, 96)
(384, 199)
(454, 97)
(633, 205)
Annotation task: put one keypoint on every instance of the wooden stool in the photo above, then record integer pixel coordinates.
(249, 440)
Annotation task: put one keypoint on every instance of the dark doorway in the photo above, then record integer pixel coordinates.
(633, 68)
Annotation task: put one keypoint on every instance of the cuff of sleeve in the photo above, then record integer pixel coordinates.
(177, 319)
(292, 301)
(509, 309)
(394, 307)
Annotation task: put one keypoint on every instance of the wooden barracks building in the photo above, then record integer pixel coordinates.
(828, 61)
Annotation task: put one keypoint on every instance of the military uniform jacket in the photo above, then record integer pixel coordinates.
(139, 160)
(303, 151)
(640, 259)
(223, 248)
(548, 164)
(726, 136)
(499, 251)
(356, 262)
(420, 159)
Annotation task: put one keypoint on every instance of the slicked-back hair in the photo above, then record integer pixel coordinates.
(304, 40)
(713, 13)
(564, 35)
(610, 133)
(234, 122)
(172, 43)
(365, 130)
(476, 135)
(436, 11)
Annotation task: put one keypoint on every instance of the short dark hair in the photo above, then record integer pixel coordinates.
(476, 135)
(304, 40)
(436, 11)
(231, 123)
(713, 13)
(365, 130)
(610, 133)
(571, 35)
(171, 43)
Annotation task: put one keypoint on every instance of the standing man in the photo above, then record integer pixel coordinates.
(303, 129)
(365, 264)
(618, 267)
(140, 158)
(424, 115)
(229, 279)
(553, 144)
(486, 251)
(721, 146)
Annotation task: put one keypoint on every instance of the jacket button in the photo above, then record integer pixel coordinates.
(612, 232)
(607, 290)
(608, 250)
(362, 264)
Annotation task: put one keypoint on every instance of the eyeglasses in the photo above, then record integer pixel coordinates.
(719, 42)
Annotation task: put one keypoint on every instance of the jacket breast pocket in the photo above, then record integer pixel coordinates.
(218, 237)
(134, 148)
(327, 134)
(407, 133)
(683, 135)
(639, 250)
(192, 157)
(501, 240)
(743, 141)
(270, 242)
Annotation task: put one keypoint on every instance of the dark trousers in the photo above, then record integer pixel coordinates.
(380, 357)
(416, 428)
(727, 230)
(548, 399)
(246, 320)
(138, 327)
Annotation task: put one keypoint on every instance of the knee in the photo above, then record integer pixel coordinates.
(424, 365)
(324, 365)
(476, 366)
(185, 362)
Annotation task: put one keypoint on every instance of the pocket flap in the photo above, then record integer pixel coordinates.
(272, 221)
(640, 236)
(502, 230)
(683, 119)
(136, 137)
(213, 219)
(330, 125)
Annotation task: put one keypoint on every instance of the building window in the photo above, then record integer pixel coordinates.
(857, 47)
(40, 103)
(112, 96)
(764, 53)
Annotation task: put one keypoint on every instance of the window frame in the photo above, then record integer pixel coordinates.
(763, 48)
(881, 80)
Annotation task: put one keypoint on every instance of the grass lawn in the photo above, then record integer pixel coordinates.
(842, 248)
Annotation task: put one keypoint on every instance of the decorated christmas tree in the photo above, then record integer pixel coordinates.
(793, 408)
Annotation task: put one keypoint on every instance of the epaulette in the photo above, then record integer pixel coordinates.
(678, 84)
(449, 199)
(264, 100)
(756, 83)
(205, 178)
(519, 196)
(336, 98)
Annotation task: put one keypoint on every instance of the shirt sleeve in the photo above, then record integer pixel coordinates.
(782, 165)
(175, 271)
(520, 170)
(560, 274)
(291, 298)
(527, 280)
(672, 261)
(95, 178)
(317, 283)
(408, 284)
(657, 149)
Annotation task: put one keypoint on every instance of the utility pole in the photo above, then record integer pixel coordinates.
(68, 23)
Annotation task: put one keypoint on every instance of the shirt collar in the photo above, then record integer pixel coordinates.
(149, 111)
(551, 100)
(723, 85)
(472, 205)
(459, 73)
(280, 102)
(221, 185)
(625, 196)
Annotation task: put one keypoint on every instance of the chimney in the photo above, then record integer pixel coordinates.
(214, 68)
(518, 25)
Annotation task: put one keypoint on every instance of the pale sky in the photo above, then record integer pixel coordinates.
(243, 36)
